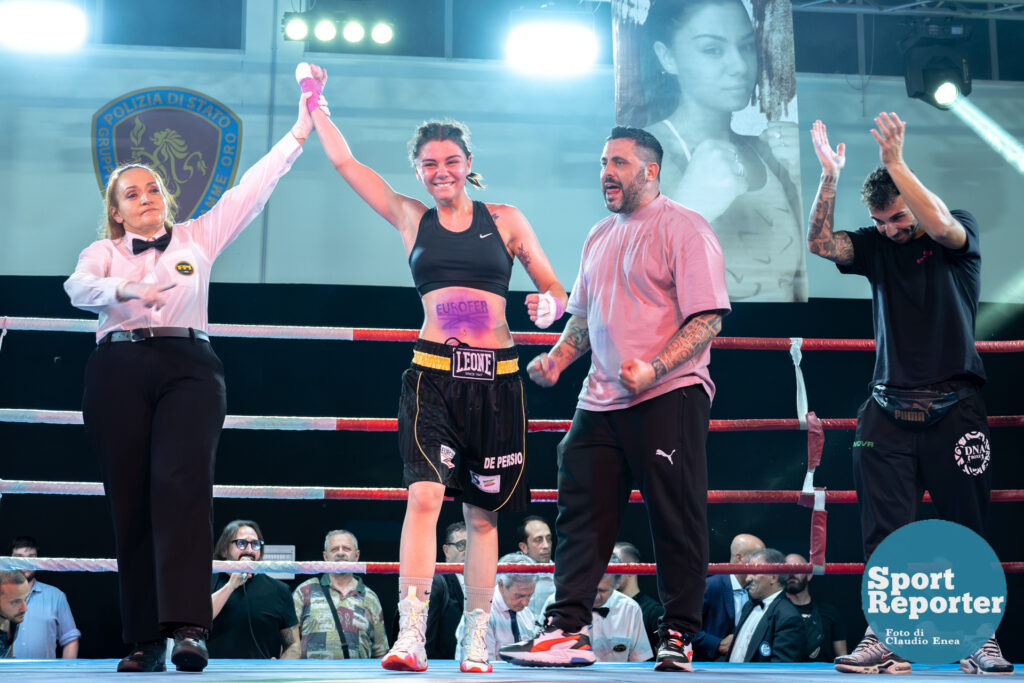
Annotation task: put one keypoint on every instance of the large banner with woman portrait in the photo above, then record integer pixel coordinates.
(715, 82)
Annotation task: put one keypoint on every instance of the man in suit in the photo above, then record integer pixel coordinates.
(724, 598)
(447, 598)
(771, 629)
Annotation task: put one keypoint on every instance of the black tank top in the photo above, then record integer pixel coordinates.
(475, 257)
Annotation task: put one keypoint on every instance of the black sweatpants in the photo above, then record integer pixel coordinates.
(659, 444)
(154, 410)
(893, 466)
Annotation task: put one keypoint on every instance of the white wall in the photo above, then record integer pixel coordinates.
(537, 144)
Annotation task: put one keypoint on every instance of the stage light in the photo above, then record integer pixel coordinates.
(946, 94)
(552, 43)
(45, 27)
(325, 30)
(936, 64)
(353, 32)
(295, 26)
(382, 33)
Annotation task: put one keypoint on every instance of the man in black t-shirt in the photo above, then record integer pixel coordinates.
(925, 425)
(825, 638)
(253, 614)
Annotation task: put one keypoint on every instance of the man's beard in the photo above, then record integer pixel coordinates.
(796, 586)
(629, 194)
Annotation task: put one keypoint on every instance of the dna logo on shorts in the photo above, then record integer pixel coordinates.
(972, 453)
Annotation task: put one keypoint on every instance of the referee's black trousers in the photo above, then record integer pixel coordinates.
(154, 410)
(659, 443)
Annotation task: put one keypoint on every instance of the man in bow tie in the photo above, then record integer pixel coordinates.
(617, 630)
(771, 629)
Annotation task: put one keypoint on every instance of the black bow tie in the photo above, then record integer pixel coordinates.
(603, 611)
(160, 243)
(756, 603)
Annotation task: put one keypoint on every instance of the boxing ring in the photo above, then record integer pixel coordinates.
(815, 497)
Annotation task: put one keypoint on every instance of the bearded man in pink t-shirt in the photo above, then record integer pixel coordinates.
(648, 300)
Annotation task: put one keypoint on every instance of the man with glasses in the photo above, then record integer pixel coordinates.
(447, 597)
(253, 614)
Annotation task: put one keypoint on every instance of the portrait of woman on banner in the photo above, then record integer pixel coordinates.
(714, 81)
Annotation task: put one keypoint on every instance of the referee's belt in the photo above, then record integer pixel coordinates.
(142, 333)
(444, 363)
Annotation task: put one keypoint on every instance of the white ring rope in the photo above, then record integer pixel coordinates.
(796, 353)
(216, 329)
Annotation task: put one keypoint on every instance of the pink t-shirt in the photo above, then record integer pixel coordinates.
(641, 277)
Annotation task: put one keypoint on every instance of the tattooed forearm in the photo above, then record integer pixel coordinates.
(290, 645)
(574, 342)
(689, 341)
(821, 239)
(472, 314)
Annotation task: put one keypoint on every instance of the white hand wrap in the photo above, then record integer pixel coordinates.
(549, 309)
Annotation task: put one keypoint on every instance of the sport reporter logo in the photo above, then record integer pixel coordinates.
(934, 592)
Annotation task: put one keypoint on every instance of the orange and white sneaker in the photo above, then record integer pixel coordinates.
(474, 643)
(552, 647)
(409, 652)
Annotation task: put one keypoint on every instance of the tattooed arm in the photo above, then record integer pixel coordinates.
(691, 339)
(522, 243)
(290, 644)
(574, 342)
(821, 240)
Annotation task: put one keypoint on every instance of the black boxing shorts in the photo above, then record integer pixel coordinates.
(462, 423)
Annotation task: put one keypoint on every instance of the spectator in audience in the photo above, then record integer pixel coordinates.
(824, 630)
(511, 618)
(49, 623)
(770, 629)
(339, 617)
(14, 591)
(253, 614)
(447, 597)
(724, 598)
(629, 586)
(536, 542)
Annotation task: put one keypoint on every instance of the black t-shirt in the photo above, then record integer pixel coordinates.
(924, 298)
(250, 625)
(821, 624)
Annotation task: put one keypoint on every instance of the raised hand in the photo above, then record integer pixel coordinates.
(889, 133)
(831, 161)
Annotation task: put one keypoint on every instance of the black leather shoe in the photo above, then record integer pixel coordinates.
(189, 652)
(144, 658)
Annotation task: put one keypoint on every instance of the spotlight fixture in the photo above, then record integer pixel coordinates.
(295, 26)
(382, 33)
(936, 63)
(551, 42)
(42, 27)
(325, 30)
(326, 27)
(353, 32)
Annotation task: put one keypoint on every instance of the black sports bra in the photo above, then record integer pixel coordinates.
(475, 257)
